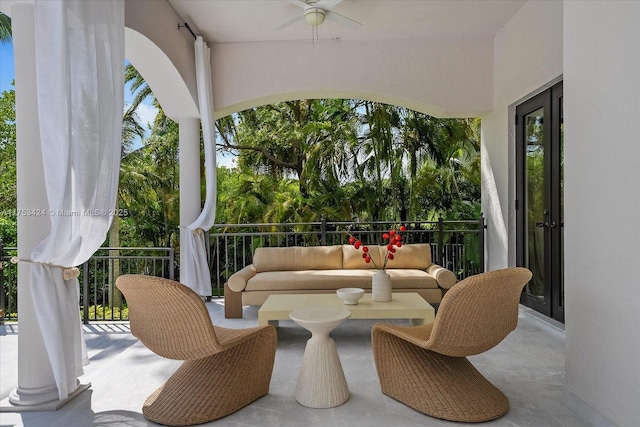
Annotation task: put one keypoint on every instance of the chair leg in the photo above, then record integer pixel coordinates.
(207, 389)
(440, 386)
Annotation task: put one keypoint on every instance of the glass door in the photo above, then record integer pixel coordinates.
(539, 204)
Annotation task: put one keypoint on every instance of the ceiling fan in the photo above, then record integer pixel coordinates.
(315, 13)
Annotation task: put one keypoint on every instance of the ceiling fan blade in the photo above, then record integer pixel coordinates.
(299, 3)
(327, 4)
(289, 22)
(342, 20)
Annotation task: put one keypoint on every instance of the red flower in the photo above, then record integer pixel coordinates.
(393, 239)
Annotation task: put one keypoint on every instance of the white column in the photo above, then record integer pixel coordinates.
(36, 384)
(190, 202)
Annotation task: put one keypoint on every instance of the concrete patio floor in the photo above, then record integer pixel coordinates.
(528, 366)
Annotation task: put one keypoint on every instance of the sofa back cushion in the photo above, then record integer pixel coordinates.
(298, 258)
(352, 257)
(416, 255)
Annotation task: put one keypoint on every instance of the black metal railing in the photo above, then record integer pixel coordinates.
(457, 245)
(8, 284)
(100, 300)
(99, 297)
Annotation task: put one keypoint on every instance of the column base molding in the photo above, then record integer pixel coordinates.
(20, 401)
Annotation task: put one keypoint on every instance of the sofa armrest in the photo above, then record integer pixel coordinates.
(445, 278)
(238, 280)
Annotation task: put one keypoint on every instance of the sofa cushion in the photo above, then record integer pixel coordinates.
(310, 279)
(411, 279)
(415, 255)
(335, 279)
(352, 257)
(298, 258)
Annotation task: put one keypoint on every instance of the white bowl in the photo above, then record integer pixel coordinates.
(350, 296)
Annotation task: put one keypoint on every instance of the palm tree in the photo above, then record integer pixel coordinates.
(139, 88)
(131, 130)
(303, 138)
(5, 29)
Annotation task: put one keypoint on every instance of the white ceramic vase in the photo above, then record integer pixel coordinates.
(381, 286)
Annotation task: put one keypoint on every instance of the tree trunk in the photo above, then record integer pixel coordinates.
(115, 297)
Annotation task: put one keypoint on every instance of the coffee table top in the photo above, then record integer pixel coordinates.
(319, 314)
(404, 305)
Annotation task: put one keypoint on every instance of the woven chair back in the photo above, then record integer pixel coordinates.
(478, 313)
(168, 317)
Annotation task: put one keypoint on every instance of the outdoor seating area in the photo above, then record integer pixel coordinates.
(528, 366)
(324, 269)
(491, 131)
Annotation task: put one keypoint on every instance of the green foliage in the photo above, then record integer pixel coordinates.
(149, 189)
(98, 312)
(8, 189)
(346, 160)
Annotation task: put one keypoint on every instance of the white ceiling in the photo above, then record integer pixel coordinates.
(221, 21)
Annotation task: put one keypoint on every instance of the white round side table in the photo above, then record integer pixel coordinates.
(321, 383)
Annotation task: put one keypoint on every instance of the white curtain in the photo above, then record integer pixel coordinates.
(80, 84)
(195, 273)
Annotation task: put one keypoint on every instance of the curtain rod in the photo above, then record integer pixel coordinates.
(188, 28)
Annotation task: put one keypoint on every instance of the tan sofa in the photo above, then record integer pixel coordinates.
(323, 269)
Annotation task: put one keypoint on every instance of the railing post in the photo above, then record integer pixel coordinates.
(1, 283)
(85, 292)
(323, 231)
(171, 266)
(441, 259)
(481, 232)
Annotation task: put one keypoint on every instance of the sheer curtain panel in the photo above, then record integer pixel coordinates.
(195, 273)
(80, 81)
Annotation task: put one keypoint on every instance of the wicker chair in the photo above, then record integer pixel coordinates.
(224, 369)
(426, 368)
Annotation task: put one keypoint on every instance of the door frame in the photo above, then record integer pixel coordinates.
(550, 100)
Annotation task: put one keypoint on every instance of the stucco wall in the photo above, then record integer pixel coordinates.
(444, 78)
(602, 206)
(527, 56)
(163, 54)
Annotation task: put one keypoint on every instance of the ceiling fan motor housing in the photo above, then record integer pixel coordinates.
(314, 15)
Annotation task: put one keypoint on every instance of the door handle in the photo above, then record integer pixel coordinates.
(546, 224)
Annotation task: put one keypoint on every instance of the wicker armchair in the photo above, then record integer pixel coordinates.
(425, 367)
(224, 369)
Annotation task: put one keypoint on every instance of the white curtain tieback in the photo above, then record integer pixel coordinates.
(67, 272)
(196, 231)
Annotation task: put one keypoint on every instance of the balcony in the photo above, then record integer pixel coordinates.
(528, 366)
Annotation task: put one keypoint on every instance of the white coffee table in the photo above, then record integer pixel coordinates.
(403, 305)
(321, 382)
